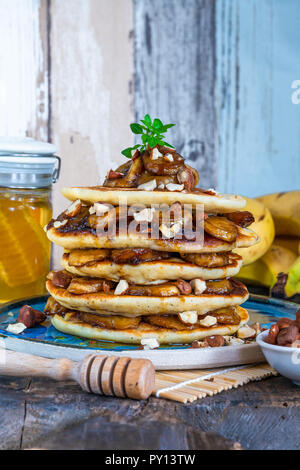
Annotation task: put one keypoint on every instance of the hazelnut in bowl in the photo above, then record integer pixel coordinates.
(281, 347)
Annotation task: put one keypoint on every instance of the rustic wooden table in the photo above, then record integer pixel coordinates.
(41, 413)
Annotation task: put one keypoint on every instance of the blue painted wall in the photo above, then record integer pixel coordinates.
(258, 131)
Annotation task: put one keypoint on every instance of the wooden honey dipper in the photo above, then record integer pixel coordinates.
(105, 375)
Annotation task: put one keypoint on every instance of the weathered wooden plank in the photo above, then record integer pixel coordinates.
(174, 75)
(23, 64)
(12, 412)
(52, 415)
(100, 433)
(91, 78)
(60, 416)
(259, 141)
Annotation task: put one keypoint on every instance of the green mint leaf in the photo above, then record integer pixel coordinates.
(157, 124)
(152, 134)
(147, 120)
(145, 138)
(152, 142)
(166, 127)
(136, 128)
(127, 152)
(162, 142)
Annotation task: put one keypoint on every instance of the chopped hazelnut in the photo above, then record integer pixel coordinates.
(155, 154)
(73, 209)
(149, 186)
(189, 318)
(58, 224)
(198, 285)
(208, 321)
(16, 328)
(174, 187)
(169, 157)
(121, 288)
(150, 343)
(245, 332)
(146, 215)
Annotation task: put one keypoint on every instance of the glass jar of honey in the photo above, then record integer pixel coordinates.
(27, 170)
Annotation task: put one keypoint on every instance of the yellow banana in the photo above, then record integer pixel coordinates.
(263, 226)
(285, 209)
(291, 243)
(292, 286)
(265, 271)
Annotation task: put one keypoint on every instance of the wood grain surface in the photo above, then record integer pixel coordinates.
(24, 90)
(42, 413)
(257, 122)
(70, 71)
(174, 75)
(77, 72)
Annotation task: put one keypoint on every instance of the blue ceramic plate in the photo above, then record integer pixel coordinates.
(261, 309)
(46, 341)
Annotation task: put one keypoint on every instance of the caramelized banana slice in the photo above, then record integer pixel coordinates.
(81, 285)
(100, 222)
(52, 308)
(210, 260)
(80, 258)
(161, 181)
(132, 171)
(136, 256)
(223, 286)
(221, 228)
(161, 166)
(162, 290)
(114, 322)
(109, 219)
(189, 177)
(227, 315)
(241, 218)
(166, 321)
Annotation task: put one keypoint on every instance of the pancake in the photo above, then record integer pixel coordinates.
(70, 324)
(83, 238)
(148, 305)
(152, 271)
(212, 202)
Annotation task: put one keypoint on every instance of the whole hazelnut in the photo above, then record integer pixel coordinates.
(287, 335)
(30, 317)
(273, 333)
(284, 323)
(61, 279)
(214, 341)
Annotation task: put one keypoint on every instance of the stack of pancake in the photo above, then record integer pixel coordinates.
(129, 276)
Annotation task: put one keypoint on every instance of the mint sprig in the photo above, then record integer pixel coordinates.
(151, 133)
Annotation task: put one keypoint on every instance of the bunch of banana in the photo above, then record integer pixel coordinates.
(263, 226)
(279, 267)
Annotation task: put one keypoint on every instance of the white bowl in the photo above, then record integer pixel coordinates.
(283, 359)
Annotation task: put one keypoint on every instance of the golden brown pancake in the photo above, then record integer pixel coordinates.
(86, 239)
(211, 202)
(131, 305)
(70, 324)
(152, 271)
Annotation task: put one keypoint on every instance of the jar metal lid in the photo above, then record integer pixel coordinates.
(27, 163)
